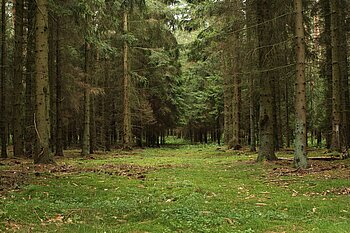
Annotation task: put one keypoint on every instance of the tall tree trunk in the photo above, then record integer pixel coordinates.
(266, 119)
(252, 115)
(59, 96)
(87, 103)
(52, 79)
(343, 62)
(29, 132)
(276, 96)
(3, 123)
(227, 105)
(127, 135)
(326, 72)
(288, 134)
(92, 124)
(336, 77)
(18, 141)
(236, 100)
(252, 43)
(300, 156)
(42, 108)
(93, 130)
(107, 123)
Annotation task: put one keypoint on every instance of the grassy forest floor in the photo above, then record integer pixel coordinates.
(174, 189)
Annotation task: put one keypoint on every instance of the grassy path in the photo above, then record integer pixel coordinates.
(185, 189)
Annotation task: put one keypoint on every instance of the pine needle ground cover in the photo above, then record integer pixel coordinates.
(181, 189)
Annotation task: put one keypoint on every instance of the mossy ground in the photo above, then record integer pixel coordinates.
(175, 189)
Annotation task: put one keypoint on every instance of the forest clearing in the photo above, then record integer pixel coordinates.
(174, 189)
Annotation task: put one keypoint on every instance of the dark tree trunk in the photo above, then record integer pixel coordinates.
(267, 77)
(344, 79)
(52, 80)
(18, 89)
(252, 43)
(59, 96)
(337, 126)
(87, 103)
(29, 131)
(42, 94)
(327, 71)
(3, 117)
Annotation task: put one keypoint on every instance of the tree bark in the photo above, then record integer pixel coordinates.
(327, 72)
(300, 155)
(59, 96)
(87, 103)
(29, 132)
(336, 77)
(3, 123)
(127, 135)
(92, 123)
(266, 119)
(227, 105)
(18, 88)
(52, 79)
(252, 43)
(236, 100)
(42, 108)
(344, 79)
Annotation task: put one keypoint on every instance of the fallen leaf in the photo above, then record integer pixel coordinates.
(250, 197)
(56, 219)
(230, 221)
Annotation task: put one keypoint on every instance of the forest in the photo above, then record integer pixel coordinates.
(103, 74)
(102, 94)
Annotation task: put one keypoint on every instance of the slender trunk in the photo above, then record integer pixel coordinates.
(328, 72)
(29, 133)
(275, 113)
(279, 120)
(87, 104)
(42, 108)
(336, 77)
(59, 96)
(127, 135)
(227, 105)
(252, 43)
(3, 123)
(252, 114)
(52, 81)
(218, 130)
(107, 123)
(300, 156)
(343, 62)
(236, 100)
(18, 142)
(287, 115)
(92, 124)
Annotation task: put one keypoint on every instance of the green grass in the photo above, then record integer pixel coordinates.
(188, 189)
